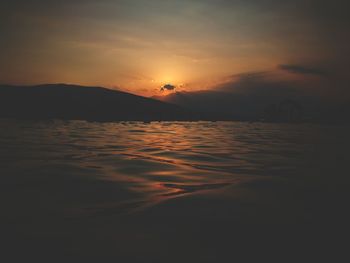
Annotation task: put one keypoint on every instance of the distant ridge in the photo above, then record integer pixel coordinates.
(73, 102)
(257, 105)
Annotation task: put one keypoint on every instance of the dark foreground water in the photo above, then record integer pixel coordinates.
(173, 191)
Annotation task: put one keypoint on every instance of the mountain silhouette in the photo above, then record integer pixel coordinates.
(285, 111)
(276, 106)
(220, 105)
(73, 102)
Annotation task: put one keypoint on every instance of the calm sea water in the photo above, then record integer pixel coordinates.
(63, 179)
(156, 160)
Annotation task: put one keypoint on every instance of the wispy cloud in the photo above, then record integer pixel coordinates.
(265, 84)
(298, 69)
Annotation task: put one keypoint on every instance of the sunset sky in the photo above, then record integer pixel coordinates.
(140, 45)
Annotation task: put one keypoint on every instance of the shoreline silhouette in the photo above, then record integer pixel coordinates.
(74, 102)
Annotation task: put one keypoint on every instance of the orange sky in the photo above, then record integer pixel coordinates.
(140, 45)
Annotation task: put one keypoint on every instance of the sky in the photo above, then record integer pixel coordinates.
(148, 46)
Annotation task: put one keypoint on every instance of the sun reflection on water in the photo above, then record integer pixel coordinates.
(152, 162)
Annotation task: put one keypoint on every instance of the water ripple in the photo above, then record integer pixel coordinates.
(153, 161)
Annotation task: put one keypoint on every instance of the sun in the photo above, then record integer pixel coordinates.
(168, 80)
(168, 76)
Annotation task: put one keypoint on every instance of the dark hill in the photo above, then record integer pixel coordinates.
(276, 106)
(61, 101)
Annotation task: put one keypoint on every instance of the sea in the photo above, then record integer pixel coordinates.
(172, 191)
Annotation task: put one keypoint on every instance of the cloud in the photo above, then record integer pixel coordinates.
(267, 86)
(253, 82)
(302, 70)
(168, 87)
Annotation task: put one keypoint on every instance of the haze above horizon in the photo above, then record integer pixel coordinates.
(141, 46)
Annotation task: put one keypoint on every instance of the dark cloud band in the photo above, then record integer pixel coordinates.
(302, 70)
(168, 87)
